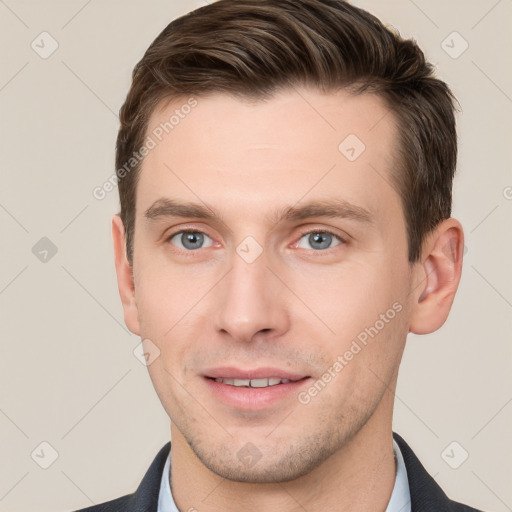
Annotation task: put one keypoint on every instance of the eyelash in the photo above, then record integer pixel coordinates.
(302, 234)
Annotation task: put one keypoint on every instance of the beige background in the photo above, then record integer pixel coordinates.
(68, 375)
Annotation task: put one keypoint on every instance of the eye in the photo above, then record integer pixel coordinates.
(190, 240)
(319, 240)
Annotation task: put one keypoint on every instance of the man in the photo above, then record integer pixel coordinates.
(285, 172)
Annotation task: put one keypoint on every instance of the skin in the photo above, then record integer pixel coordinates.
(296, 307)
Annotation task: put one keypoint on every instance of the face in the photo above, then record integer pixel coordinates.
(271, 276)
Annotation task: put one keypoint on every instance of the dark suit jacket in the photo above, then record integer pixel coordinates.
(426, 495)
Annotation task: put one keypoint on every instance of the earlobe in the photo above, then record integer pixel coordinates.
(438, 277)
(125, 279)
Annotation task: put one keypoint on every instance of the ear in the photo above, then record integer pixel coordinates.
(437, 277)
(124, 273)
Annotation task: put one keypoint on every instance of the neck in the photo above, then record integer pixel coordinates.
(359, 476)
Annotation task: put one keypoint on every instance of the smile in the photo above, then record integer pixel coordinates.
(256, 389)
(253, 383)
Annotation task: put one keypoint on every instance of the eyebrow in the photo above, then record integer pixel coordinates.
(333, 208)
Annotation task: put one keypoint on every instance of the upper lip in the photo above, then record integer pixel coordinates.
(231, 372)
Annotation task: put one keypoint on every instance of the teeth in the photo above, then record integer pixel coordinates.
(259, 383)
(253, 383)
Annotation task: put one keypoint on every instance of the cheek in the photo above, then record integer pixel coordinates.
(364, 307)
(167, 297)
(173, 314)
(351, 297)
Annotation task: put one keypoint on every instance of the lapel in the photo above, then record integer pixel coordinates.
(145, 498)
(426, 495)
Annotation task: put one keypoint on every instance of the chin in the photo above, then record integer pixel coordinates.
(270, 465)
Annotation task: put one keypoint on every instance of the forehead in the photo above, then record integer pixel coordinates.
(255, 156)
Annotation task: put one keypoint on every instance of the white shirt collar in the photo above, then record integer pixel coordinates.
(165, 500)
(400, 500)
(400, 497)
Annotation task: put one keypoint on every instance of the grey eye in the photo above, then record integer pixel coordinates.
(318, 240)
(190, 240)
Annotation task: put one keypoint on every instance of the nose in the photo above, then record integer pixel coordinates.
(251, 301)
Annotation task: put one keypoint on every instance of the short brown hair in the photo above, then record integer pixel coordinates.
(253, 48)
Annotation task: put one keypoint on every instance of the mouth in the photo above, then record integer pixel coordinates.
(254, 383)
(253, 390)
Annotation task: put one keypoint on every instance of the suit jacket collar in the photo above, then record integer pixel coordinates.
(146, 495)
(426, 495)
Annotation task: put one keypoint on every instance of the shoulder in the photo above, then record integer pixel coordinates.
(459, 507)
(124, 503)
(426, 495)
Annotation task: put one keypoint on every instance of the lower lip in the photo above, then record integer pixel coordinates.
(253, 399)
